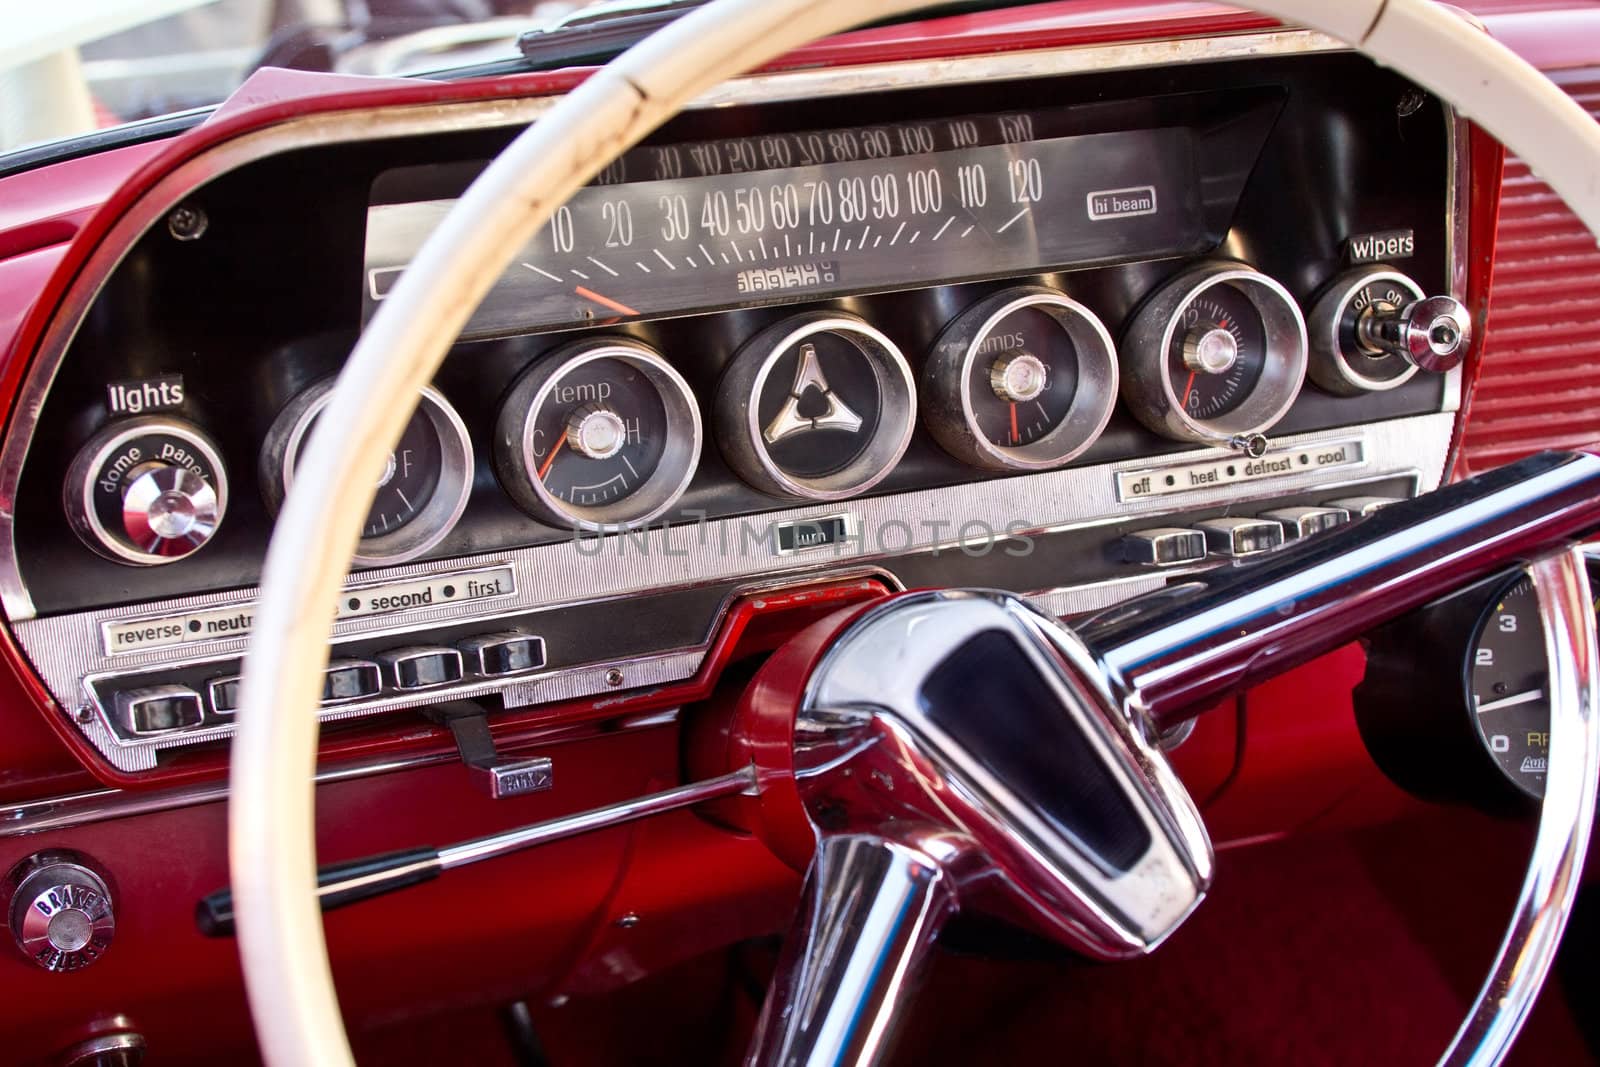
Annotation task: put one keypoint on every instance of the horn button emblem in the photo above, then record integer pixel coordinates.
(816, 406)
(812, 404)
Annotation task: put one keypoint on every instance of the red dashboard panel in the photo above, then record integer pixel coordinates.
(1533, 394)
(1305, 767)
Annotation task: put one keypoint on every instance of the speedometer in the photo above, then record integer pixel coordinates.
(793, 216)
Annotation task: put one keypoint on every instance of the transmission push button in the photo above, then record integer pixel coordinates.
(158, 709)
(1164, 546)
(498, 655)
(423, 668)
(1240, 537)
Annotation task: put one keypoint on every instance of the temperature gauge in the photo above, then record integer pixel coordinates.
(1217, 355)
(601, 433)
(1023, 380)
(424, 486)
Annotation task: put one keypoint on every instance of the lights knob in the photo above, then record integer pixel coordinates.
(1018, 378)
(1210, 350)
(169, 511)
(60, 911)
(147, 491)
(596, 432)
(1431, 333)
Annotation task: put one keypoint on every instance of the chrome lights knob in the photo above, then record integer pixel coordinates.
(60, 911)
(170, 510)
(147, 491)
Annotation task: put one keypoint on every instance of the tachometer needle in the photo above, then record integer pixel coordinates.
(544, 468)
(1512, 701)
(603, 301)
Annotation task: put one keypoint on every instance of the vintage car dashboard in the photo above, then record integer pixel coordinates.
(1064, 333)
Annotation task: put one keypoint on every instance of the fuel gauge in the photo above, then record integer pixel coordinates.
(601, 433)
(424, 486)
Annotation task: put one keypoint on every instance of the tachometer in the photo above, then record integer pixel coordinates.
(601, 433)
(1218, 354)
(1509, 680)
(1023, 380)
(422, 491)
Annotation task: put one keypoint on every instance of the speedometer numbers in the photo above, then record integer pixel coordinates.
(603, 433)
(1216, 356)
(1023, 380)
(818, 406)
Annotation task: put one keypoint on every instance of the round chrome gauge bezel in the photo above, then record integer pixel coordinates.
(1330, 368)
(281, 451)
(1148, 388)
(79, 487)
(947, 382)
(738, 408)
(680, 457)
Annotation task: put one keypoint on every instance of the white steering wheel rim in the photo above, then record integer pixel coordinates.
(270, 821)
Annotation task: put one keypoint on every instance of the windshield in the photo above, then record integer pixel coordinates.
(74, 66)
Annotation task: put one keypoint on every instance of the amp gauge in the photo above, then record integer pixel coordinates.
(424, 487)
(1023, 380)
(1216, 355)
(818, 406)
(601, 433)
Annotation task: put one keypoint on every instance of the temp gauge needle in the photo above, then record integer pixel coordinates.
(544, 468)
(1512, 701)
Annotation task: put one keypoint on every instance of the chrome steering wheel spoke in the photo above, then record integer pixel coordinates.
(959, 751)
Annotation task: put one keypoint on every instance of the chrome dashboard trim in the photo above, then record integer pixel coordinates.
(66, 648)
(373, 124)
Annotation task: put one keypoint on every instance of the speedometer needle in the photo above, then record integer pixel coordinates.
(1512, 701)
(544, 468)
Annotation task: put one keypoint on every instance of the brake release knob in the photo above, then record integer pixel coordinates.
(60, 911)
(147, 491)
(1373, 328)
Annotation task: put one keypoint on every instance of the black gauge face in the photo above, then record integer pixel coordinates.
(1218, 352)
(1378, 293)
(1024, 378)
(1511, 688)
(819, 406)
(409, 479)
(599, 433)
